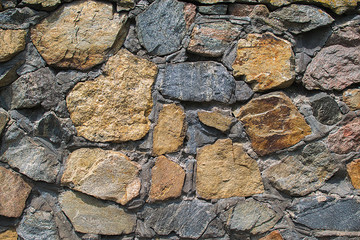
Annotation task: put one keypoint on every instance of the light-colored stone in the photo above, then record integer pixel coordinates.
(115, 106)
(42, 4)
(346, 139)
(353, 169)
(11, 42)
(104, 174)
(266, 61)
(69, 37)
(4, 118)
(9, 234)
(169, 132)
(167, 180)
(274, 235)
(352, 98)
(225, 170)
(215, 119)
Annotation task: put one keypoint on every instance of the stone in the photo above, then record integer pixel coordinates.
(352, 98)
(170, 129)
(4, 118)
(197, 82)
(90, 215)
(9, 235)
(339, 7)
(242, 91)
(211, 39)
(20, 18)
(33, 60)
(116, 105)
(218, 9)
(304, 173)
(273, 123)
(225, 170)
(167, 180)
(325, 109)
(68, 38)
(49, 126)
(104, 174)
(353, 170)
(41, 4)
(8, 69)
(346, 139)
(274, 235)
(216, 119)
(162, 27)
(247, 10)
(14, 192)
(12, 42)
(215, 230)
(266, 61)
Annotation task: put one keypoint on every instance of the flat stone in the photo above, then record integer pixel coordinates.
(218, 9)
(41, 4)
(274, 235)
(20, 18)
(243, 92)
(89, 215)
(225, 170)
(247, 10)
(353, 170)
(115, 106)
(14, 192)
(68, 38)
(4, 118)
(104, 174)
(266, 61)
(33, 60)
(170, 129)
(8, 69)
(325, 109)
(272, 122)
(346, 139)
(352, 98)
(9, 234)
(167, 180)
(12, 42)
(216, 119)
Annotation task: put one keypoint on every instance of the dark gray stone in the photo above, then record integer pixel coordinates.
(215, 229)
(132, 42)
(50, 127)
(325, 109)
(6, 4)
(190, 183)
(242, 91)
(237, 133)
(8, 69)
(20, 18)
(310, 43)
(218, 9)
(33, 60)
(68, 79)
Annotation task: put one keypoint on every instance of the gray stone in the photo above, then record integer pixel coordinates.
(50, 127)
(218, 9)
(132, 42)
(8, 3)
(33, 60)
(68, 79)
(325, 109)
(242, 91)
(237, 133)
(20, 18)
(215, 229)
(8, 69)
(189, 183)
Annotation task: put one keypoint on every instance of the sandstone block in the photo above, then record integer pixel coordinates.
(215, 119)
(353, 170)
(9, 234)
(12, 42)
(42, 4)
(352, 98)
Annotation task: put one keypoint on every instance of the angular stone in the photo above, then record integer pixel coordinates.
(41, 4)
(12, 42)
(9, 234)
(103, 174)
(216, 119)
(346, 139)
(353, 170)
(219, 9)
(20, 18)
(243, 92)
(272, 123)
(14, 192)
(70, 36)
(33, 60)
(169, 132)
(266, 61)
(124, 5)
(4, 118)
(352, 98)
(115, 106)
(197, 82)
(246, 10)
(325, 109)
(274, 235)
(225, 170)
(167, 180)
(89, 215)
(8, 69)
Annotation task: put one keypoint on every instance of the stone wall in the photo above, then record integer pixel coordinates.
(204, 119)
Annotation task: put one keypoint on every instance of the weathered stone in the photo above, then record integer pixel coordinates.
(216, 119)
(167, 180)
(14, 192)
(325, 109)
(243, 92)
(49, 126)
(198, 82)
(352, 98)
(9, 68)
(20, 18)
(353, 170)
(218, 9)
(12, 42)
(89, 215)
(103, 174)
(246, 10)
(266, 61)
(9, 235)
(225, 170)
(115, 106)
(70, 36)
(41, 4)
(33, 60)
(346, 139)
(215, 230)
(274, 235)
(4, 118)
(169, 132)
(272, 123)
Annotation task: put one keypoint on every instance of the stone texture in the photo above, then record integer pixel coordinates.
(272, 123)
(14, 192)
(41, 4)
(218, 9)
(352, 98)
(346, 139)
(225, 170)
(115, 106)
(4, 118)
(274, 235)
(216, 119)
(9, 235)
(169, 132)
(69, 37)
(20, 18)
(104, 174)
(242, 91)
(198, 82)
(89, 215)
(8, 69)
(246, 10)
(167, 180)
(325, 109)
(266, 61)
(12, 42)
(353, 170)
(33, 60)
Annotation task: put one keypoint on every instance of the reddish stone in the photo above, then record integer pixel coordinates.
(346, 139)
(274, 235)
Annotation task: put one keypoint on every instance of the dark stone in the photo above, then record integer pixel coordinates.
(50, 127)
(218, 9)
(132, 42)
(325, 109)
(242, 91)
(6, 4)
(33, 60)
(68, 79)
(237, 133)
(190, 182)
(215, 229)
(8, 69)
(20, 18)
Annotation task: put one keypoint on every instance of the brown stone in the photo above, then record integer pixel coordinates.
(42, 4)
(346, 139)
(215, 119)
(225, 170)
(274, 235)
(272, 122)
(13, 193)
(352, 98)
(246, 10)
(9, 235)
(69, 37)
(353, 170)
(12, 42)
(115, 106)
(107, 175)
(266, 61)
(4, 118)
(167, 180)
(169, 132)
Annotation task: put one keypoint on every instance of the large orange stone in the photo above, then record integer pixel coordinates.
(353, 169)
(274, 235)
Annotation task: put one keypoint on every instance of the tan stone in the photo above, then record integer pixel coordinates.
(215, 119)
(352, 98)
(274, 235)
(225, 170)
(115, 106)
(353, 169)
(104, 174)
(167, 180)
(70, 36)
(12, 42)
(9, 235)
(266, 61)
(169, 132)
(44, 4)
(273, 123)
(13, 193)
(4, 118)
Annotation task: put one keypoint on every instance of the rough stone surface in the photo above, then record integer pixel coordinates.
(352, 98)
(4, 118)
(11, 42)
(9, 235)
(274, 235)
(89, 215)
(107, 175)
(20, 18)
(169, 132)
(353, 170)
(9, 68)
(216, 119)
(167, 180)
(346, 139)
(69, 37)
(225, 170)
(33, 60)
(115, 106)
(219, 9)
(272, 123)
(266, 61)
(14, 192)
(325, 109)
(246, 10)
(41, 4)
(242, 91)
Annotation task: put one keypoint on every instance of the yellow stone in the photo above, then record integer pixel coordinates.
(352, 98)
(12, 42)
(9, 235)
(274, 235)
(353, 169)
(215, 119)
(43, 3)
